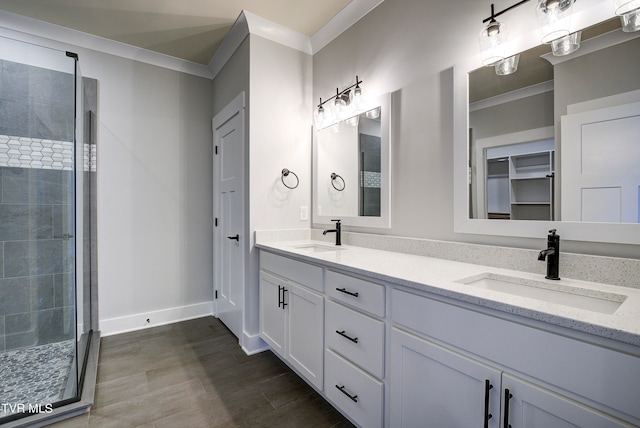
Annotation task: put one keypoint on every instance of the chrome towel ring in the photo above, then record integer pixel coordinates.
(335, 177)
(285, 173)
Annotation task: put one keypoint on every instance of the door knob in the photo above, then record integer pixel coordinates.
(235, 238)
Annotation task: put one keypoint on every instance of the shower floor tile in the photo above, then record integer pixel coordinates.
(35, 376)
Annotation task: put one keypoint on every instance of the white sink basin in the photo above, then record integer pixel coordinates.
(563, 292)
(318, 248)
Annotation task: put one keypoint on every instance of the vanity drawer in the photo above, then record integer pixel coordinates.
(356, 292)
(300, 272)
(353, 391)
(357, 337)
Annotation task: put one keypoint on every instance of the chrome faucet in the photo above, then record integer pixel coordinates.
(552, 255)
(337, 230)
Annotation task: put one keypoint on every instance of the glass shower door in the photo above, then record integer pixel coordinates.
(39, 237)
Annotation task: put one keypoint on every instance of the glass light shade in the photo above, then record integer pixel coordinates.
(508, 65)
(356, 94)
(319, 117)
(566, 45)
(554, 18)
(631, 21)
(622, 7)
(353, 120)
(339, 107)
(492, 38)
(373, 113)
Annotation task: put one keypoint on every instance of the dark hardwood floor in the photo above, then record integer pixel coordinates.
(194, 374)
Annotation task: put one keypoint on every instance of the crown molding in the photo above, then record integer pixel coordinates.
(249, 23)
(50, 35)
(337, 25)
(58, 37)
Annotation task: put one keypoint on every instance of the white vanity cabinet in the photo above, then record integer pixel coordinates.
(355, 347)
(434, 387)
(292, 315)
(389, 355)
(451, 366)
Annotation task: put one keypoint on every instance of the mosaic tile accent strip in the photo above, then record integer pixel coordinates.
(371, 179)
(35, 376)
(25, 152)
(90, 157)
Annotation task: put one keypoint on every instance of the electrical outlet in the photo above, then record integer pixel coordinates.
(304, 212)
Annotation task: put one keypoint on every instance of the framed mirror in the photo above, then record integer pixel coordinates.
(552, 146)
(351, 168)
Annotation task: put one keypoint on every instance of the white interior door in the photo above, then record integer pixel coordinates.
(229, 232)
(600, 165)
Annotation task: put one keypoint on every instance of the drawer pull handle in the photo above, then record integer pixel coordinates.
(345, 291)
(507, 396)
(281, 291)
(487, 415)
(353, 398)
(342, 333)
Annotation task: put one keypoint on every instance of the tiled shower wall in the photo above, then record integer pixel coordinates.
(36, 203)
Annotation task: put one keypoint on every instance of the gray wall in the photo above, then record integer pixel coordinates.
(232, 79)
(519, 115)
(408, 48)
(36, 211)
(616, 69)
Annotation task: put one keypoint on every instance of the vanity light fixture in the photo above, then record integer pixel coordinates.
(492, 38)
(345, 103)
(508, 65)
(629, 13)
(319, 116)
(567, 44)
(374, 113)
(554, 17)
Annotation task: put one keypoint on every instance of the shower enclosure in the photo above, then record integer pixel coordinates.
(46, 228)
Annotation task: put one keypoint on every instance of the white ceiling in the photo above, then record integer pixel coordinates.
(186, 29)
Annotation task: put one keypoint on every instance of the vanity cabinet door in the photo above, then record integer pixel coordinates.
(305, 332)
(292, 324)
(434, 387)
(272, 312)
(530, 406)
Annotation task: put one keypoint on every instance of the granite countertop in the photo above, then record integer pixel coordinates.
(443, 278)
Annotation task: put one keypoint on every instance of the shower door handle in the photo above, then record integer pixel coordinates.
(234, 238)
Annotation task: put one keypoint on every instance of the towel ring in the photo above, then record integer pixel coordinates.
(334, 177)
(285, 173)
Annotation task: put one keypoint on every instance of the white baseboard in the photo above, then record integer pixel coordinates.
(144, 320)
(252, 344)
